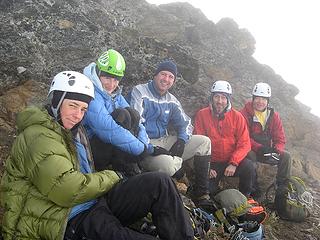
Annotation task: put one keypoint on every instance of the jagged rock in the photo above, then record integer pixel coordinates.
(41, 38)
(11, 103)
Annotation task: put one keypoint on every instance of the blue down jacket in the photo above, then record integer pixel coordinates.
(99, 122)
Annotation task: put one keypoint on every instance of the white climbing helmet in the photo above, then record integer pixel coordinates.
(71, 81)
(262, 90)
(221, 86)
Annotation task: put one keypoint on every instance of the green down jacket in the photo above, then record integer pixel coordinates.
(41, 181)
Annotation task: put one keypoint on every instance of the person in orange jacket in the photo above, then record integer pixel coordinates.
(230, 141)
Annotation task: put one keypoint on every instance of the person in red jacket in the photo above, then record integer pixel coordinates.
(230, 141)
(266, 133)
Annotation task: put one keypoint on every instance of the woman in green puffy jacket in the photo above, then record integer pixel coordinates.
(49, 189)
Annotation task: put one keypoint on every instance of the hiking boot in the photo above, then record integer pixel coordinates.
(201, 175)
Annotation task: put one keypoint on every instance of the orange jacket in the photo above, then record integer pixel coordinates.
(230, 141)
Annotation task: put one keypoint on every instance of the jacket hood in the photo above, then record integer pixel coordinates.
(36, 116)
(90, 72)
(249, 108)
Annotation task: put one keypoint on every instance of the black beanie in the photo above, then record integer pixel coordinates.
(167, 65)
(69, 95)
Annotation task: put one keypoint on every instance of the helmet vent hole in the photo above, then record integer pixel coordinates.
(71, 82)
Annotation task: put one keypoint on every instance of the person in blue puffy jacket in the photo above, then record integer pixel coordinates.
(115, 134)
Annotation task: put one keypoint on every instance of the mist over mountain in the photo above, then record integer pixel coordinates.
(41, 38)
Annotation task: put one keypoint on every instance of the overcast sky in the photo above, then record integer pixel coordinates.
(287, 35)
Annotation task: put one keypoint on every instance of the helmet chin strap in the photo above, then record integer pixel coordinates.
(55, 110)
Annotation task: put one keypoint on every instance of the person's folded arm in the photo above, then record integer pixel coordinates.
(56, 179)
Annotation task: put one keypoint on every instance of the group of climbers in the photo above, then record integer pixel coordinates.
(240, 139)
(78, 164)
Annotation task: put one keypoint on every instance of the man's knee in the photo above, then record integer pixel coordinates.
(173, 166)
(163, 163)
(203, 143)
(252, 156)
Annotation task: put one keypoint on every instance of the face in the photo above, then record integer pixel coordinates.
(220, 102)
(109, 83)
(259, 103)
(72, 112)
(163, 81)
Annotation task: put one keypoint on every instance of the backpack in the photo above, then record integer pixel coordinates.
(256, 213)
(240, 209)
(292, 200)
(205, 221)
(242, 217)
(201, 221)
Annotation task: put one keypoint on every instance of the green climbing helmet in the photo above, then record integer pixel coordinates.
(112, 62)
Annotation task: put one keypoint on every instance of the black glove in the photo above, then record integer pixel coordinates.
(135, 120)
(159, 151)
(177, 148)
(265, 149)
(268, 155)
(122, 117)
(272, 159)
(144, 154)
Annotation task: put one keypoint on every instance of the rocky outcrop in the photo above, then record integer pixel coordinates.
(40, 38)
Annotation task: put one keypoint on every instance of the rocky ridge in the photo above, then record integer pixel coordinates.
(43, 37)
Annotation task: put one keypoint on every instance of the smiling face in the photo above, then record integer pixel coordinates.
(109, 83)
(163, 81)
(260, 103)
(72, 112)
(219, 102)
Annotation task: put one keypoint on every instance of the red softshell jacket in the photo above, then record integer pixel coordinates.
(274, 129)
(230, 141)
